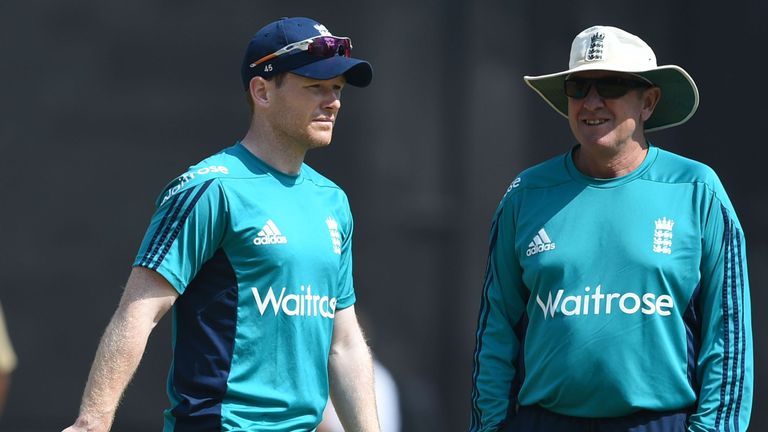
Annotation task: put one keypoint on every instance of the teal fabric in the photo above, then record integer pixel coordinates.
(610, 296)
(286, 241)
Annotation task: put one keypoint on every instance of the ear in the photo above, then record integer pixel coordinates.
(259, 91)
(651, 97)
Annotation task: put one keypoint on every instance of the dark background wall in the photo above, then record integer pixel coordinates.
(101, 103)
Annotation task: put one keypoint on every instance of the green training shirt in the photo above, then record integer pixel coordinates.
(604, 297)
(262, 262)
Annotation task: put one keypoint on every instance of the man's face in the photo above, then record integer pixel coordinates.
(598, 121)
(303, 110)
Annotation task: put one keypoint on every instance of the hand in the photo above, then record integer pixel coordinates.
(76, 428)
(89, 426)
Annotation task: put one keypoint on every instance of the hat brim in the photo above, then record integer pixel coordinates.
(358, 73)
(679, 95)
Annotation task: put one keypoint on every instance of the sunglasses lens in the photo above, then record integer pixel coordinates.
(330, 46)
(607, 88)
(577, 88)
(612, 88)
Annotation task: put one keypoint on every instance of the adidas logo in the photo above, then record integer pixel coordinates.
(541, 243)
(270, 234)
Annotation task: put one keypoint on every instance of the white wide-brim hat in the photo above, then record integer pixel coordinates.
(613, 49)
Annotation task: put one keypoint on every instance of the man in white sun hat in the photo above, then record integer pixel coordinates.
(616, 296)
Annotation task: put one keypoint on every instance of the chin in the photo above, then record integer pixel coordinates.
(315, 142)
(320, 145)
(597, 139)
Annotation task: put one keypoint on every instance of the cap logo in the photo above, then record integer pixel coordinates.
(595, 50)
(323, 31)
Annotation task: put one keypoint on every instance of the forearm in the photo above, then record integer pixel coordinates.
(147, 297)
(725, 373)
(352, 390)
(497, 347)
(350, 374)
(116, 360)
(5, 383)
(724, 369)
(493, 385)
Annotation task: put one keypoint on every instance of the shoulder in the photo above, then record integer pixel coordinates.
(674, 168)
(330, 194)
(203, 174)
(549, 173)
(318, 179)
(323, 183)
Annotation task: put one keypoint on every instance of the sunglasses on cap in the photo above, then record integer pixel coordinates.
(606, 87)
(319, 46)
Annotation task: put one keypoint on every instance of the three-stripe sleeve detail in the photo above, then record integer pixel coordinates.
(179, 209)
(482, 322)
(743, 367)
(171, 208)
(733, 326)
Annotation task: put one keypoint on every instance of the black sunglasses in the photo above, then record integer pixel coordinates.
(607, 87)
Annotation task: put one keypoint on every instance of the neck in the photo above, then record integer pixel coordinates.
(609, 163)
(279, 153)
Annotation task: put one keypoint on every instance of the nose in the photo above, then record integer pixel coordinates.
(332, 101)
(592, 100)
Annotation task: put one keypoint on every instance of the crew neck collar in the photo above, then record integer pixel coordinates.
(609, 182)
(254, 161)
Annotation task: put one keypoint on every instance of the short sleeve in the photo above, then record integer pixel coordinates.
(186, 230)
(346, 290)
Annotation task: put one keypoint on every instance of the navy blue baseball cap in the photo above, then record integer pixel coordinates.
(304, 47)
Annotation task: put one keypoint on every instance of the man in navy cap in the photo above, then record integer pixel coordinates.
(251, 248)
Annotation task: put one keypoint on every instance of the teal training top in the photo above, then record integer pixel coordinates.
(262, 261)
(603, 297)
